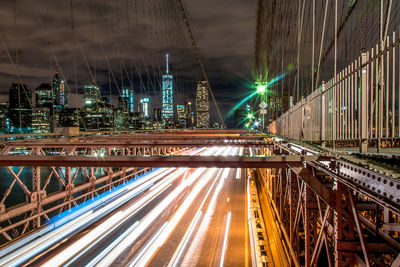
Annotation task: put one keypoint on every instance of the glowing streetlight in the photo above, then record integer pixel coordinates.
(261, 88)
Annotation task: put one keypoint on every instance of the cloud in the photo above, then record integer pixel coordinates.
(97, 37)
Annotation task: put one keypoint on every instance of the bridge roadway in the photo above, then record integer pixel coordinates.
(183, 217)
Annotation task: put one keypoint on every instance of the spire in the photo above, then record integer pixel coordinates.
(166, 59)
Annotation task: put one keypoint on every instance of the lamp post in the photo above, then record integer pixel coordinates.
(261, 90)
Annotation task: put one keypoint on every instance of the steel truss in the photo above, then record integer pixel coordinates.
(79, 182)
(335, 214)
(40, 202)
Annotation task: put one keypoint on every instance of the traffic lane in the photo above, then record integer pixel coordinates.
(164, 217)
(141, 241)
(174, 201)
(230, 199)
(53, 251)
(238, 245)
(170, 247)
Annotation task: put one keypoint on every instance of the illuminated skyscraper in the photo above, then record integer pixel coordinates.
(145, 106)
(91, 97)
(202, 105)
(20, 108)
(127, 97)
(44, 96)
(189, 114)
(167, 95)
(59, 94)
(180, 110)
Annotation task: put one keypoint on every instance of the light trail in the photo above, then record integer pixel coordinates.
(38, 245)
(199, 238)
(228, 223)
(149, 218)
(112, 245)
(116, 220)
(182, 246)
(238, 173)
(177, 217)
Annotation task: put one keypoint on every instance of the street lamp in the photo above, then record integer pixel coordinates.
(262, 90)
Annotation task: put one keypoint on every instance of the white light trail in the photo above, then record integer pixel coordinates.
(95, 235)
(176, 218)
(148, 219)
(182, 246)
(191, 257)
(23, 253)
(112, 245)
(238, 173)
(225, 174)
(147, 246)
(228, 223)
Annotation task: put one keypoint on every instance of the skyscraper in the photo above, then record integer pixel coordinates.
(91, 97)
(41, 120)
(127, 97)
(20, 108)
(43, 96)
(202, 105)
(59, 94)
(145, 106)
(189, 114)
(157, 114)
(167, 94)
(180, 110)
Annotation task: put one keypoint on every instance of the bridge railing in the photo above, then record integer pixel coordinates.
(360, 105)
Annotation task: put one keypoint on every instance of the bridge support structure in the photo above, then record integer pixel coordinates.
(330, 218)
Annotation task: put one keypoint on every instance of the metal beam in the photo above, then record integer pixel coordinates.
(159, 161)
(142, 143)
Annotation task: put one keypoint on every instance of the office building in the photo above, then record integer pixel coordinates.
(4, 120)
(70, 117)
(20, 108)
(167, 95)
(91, 97)
(181, 115)
(121, 119)
(145, 106)
(59, 93)
(43, 96)
(157, 114)
(202, 105)
(189, 114)
(128, 99)
(41, 120)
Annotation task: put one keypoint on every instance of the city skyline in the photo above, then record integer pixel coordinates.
(125, 40)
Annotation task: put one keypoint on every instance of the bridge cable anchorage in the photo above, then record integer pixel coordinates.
(196, 51)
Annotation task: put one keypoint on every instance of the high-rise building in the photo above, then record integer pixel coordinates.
(4, 120)
(121, 119)
(43, 96)
(59, 94)
(128, 100)
(202, 105)
(91, 97)
(69, 117)
(145, 106)
(157, 114)
(20, 108)
(189, 114)
(167, 95)
(41, 120)
(180, 110)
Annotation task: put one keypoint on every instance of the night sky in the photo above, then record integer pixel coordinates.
(87, 39)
